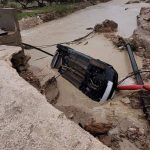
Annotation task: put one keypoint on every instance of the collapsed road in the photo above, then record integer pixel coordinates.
(117, 119)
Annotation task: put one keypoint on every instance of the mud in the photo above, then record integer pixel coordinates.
(106, 26)
(31, 78)
(71, 101)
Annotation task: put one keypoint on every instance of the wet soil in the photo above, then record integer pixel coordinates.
(71, 101)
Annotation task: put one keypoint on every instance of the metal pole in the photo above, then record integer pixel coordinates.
(138, 77)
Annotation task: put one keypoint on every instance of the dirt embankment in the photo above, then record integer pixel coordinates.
(30, 22)
(141, 37)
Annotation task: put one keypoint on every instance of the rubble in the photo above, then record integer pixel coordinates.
(135, 100)
(141, 35)
(106, 26)
(112, 123)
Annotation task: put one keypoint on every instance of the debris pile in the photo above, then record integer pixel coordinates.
(106, 26)
(115, 124)
(141, 35)
(141, 39)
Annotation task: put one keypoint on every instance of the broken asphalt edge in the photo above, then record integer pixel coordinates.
(28, 121)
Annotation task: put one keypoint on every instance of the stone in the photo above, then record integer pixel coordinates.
(125, 100)
(125, 124)
(98, 128)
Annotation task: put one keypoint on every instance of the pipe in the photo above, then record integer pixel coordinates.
(138, 77)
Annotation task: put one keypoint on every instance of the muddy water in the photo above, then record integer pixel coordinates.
(74, 26)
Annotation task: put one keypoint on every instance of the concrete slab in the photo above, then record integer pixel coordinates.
(28, 121)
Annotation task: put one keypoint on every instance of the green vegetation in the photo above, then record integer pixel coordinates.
(57, 10)
(52, 8)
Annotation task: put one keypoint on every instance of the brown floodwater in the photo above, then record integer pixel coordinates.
(74, 26)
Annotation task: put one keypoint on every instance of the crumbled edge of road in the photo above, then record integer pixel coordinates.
(28, 121)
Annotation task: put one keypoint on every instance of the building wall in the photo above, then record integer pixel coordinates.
(9, 22)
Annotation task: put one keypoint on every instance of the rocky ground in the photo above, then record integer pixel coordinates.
(141, 36)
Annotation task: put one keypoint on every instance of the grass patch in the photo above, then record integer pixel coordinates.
(58, 10)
